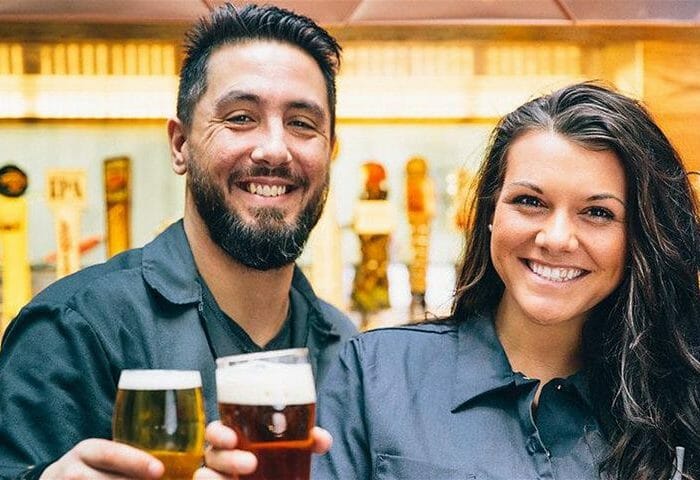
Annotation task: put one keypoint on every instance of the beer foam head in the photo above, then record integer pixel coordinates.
(262, 382)
(159, 379)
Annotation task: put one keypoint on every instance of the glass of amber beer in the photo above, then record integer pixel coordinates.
(162, 412)
(269, 399)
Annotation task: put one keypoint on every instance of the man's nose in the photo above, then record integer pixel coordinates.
(558, 234)
(272, 148)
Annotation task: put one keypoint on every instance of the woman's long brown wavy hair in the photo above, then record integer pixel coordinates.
(642, 344)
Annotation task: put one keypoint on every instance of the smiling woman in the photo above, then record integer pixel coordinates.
(585, 179)
(558, 235)
(572, 349)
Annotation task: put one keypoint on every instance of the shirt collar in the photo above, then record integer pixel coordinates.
(302, 288)
(482, 365)
(579, 381)
(169, 268)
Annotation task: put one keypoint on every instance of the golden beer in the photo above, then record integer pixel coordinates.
(269, 399)
(162, 412)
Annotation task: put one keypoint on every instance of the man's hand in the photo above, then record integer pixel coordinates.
(97, 458)
(223, 461)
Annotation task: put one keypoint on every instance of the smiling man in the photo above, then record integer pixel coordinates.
(253, 136)
(256, 152)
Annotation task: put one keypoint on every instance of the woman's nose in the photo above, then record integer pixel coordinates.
(558, 234)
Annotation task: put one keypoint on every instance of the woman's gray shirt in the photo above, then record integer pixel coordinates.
(440, 401)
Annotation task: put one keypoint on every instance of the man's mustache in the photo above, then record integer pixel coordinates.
(280, 171)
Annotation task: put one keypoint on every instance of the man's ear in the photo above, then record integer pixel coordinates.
(177, 137)
(335, 148)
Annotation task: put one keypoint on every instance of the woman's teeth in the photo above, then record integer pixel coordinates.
(555, 274)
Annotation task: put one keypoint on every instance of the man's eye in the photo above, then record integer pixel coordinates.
(301, 124)
(528, 200)
(239, 119)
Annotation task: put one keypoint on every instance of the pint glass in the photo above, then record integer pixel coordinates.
(269, 399)
(162, 412)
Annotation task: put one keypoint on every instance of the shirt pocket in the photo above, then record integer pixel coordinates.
(391, 467)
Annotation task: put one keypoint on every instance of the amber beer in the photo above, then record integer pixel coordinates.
(269, 399)
(162, 412)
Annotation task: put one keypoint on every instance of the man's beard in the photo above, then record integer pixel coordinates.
(269, 242)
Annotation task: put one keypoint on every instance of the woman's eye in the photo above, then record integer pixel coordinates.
(600, 213)
(528, 200)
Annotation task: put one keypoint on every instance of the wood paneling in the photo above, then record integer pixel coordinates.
(682, 130)
(672, 92)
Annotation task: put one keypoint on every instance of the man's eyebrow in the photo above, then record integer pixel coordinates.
(314, 108)
(243, 96)
(236, 95)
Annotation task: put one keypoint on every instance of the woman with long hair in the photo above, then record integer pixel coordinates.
(573, 348)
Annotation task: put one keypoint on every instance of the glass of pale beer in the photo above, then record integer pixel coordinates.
(269, 399)
(162, 413)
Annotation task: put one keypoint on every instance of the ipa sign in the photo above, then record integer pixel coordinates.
(66, 187)
(65, 191)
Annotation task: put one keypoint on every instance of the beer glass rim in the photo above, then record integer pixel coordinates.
(224, 362)
(159, 379)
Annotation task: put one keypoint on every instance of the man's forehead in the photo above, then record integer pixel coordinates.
(263, 57)
(260, 46)
(255, 73)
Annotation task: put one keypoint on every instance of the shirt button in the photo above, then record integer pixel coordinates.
(558, 387)
(532, 445)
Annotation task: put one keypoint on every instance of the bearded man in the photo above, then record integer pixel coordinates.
(254, 132)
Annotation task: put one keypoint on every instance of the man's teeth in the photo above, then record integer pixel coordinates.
(553, 273)
(267, 190)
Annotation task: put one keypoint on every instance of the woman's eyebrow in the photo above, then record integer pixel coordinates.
(592, 198)
(605, 196)
(529, 185)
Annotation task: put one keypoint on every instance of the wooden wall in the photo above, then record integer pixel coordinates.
(672, 92)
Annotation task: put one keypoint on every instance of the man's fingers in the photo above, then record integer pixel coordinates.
(322, 440)
(230, 462)
(221, 454)
(222, 458)
(205, 473)
(103, 459)
(220, 436)
(118, 458)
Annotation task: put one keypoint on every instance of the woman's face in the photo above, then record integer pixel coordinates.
(559, 237)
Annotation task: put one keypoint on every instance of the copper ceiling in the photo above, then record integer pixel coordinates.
(371, 12)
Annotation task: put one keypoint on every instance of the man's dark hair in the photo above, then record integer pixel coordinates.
(228, 25)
